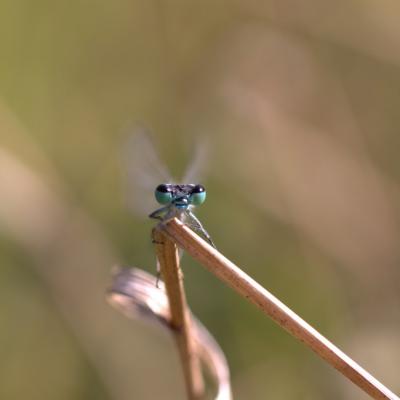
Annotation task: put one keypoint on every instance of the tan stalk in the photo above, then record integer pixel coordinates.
(168, 258)
(234, 277)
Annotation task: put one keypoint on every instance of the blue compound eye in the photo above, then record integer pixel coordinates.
(198, 195)
(163, 194)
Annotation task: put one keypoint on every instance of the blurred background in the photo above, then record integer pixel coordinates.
(299, 104)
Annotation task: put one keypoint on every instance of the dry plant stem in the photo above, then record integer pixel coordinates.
(167, 255)
(234, 277)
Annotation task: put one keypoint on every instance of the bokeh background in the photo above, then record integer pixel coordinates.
(299, 103)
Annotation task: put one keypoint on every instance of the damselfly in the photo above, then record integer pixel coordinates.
(178, 201)
(148, 174)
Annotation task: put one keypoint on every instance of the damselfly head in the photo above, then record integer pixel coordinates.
(180, 196)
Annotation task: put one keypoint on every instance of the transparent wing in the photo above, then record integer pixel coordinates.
(143, 172)
(198, 162)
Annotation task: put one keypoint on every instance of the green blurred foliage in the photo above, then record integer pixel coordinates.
(312, 216)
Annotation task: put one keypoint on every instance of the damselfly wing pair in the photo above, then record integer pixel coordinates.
(147, 174)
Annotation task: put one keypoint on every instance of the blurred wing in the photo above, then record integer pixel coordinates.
(143, 172)
(197, 167)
